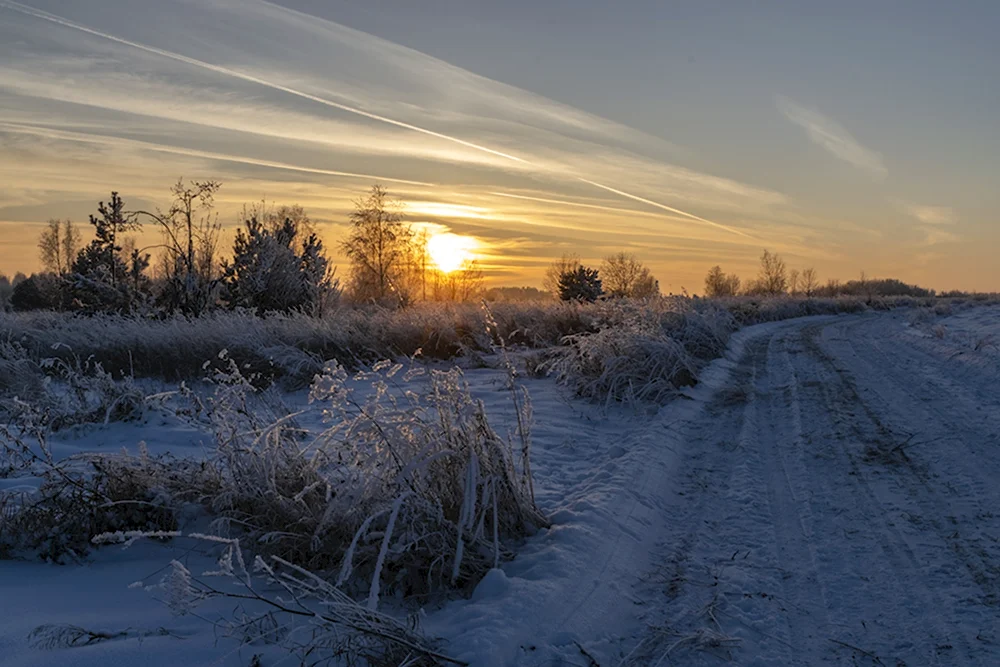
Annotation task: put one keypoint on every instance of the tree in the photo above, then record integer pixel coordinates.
(102, 278)
(57, 246)
(809, 282)
(6, 288)
(275, 269)
(103, 253)
(623, 275)
(581, 284)
(719, 284)
(772, 278)
(191, 236)
(419, 258)
(464, 284)
(379, 247)
(793, 282)
(565, 264)
(40, 291)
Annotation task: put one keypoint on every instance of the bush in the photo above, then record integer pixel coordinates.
(76, 498)
(643, 351)
(409, 488)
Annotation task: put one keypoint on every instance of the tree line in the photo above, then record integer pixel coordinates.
(775, 279)
(277, 262)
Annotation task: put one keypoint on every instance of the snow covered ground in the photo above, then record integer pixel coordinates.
(830, 493)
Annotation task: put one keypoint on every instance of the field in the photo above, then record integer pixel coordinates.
(672, 482)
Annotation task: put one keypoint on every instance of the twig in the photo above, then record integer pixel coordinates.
(871, 655)
(593, 661)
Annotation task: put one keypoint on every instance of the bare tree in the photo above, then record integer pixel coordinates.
(623, 275)
(718, 284)
(773, 276)
(57, 246)
(810, 282)
(464, 284)
(378, 246)
(793, 282)
(568, 263)
(418, 264)
(191, 235)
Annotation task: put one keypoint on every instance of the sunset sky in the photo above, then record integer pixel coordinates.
(847, 136)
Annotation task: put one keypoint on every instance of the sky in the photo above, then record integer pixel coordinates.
(849, 136)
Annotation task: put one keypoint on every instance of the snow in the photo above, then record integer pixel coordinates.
(827, 494)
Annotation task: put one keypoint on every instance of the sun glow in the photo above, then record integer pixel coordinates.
(450, 251)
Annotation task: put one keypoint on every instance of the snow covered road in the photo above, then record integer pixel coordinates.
(840, 504)
(831, 495)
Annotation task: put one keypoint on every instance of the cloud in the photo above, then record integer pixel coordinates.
(933, 215)
(932, 221)
(935, 235)
(831, 136)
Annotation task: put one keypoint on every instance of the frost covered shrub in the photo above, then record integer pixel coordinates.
(64, 392)
(75, 498)
(644, 351)
(412, 488)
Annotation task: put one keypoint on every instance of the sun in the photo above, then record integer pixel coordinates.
(450, 251)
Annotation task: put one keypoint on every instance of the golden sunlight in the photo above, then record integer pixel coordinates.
(450, 251)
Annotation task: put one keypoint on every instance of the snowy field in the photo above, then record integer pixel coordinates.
(829, 493)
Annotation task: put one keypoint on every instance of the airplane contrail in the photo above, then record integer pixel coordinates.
(46, 16)
(692, 216)
(37, 13)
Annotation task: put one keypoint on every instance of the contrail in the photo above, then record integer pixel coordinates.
(209, 155)
(46, 16)
(666, 208)
(566, 202)
(37, 13)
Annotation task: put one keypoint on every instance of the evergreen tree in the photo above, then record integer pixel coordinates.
(581, 284)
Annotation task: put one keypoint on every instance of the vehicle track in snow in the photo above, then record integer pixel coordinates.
(835, 503)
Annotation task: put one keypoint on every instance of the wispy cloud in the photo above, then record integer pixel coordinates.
(831, 136)
(933, 215)
(935, 223)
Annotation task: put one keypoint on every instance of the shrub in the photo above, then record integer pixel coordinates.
(76, 498)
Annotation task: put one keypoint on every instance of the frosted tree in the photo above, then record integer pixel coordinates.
(772, 277)
(623, 275)
(379, 248)
(276, 268)
(809, 282)
(57, 246)
(719, 284)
